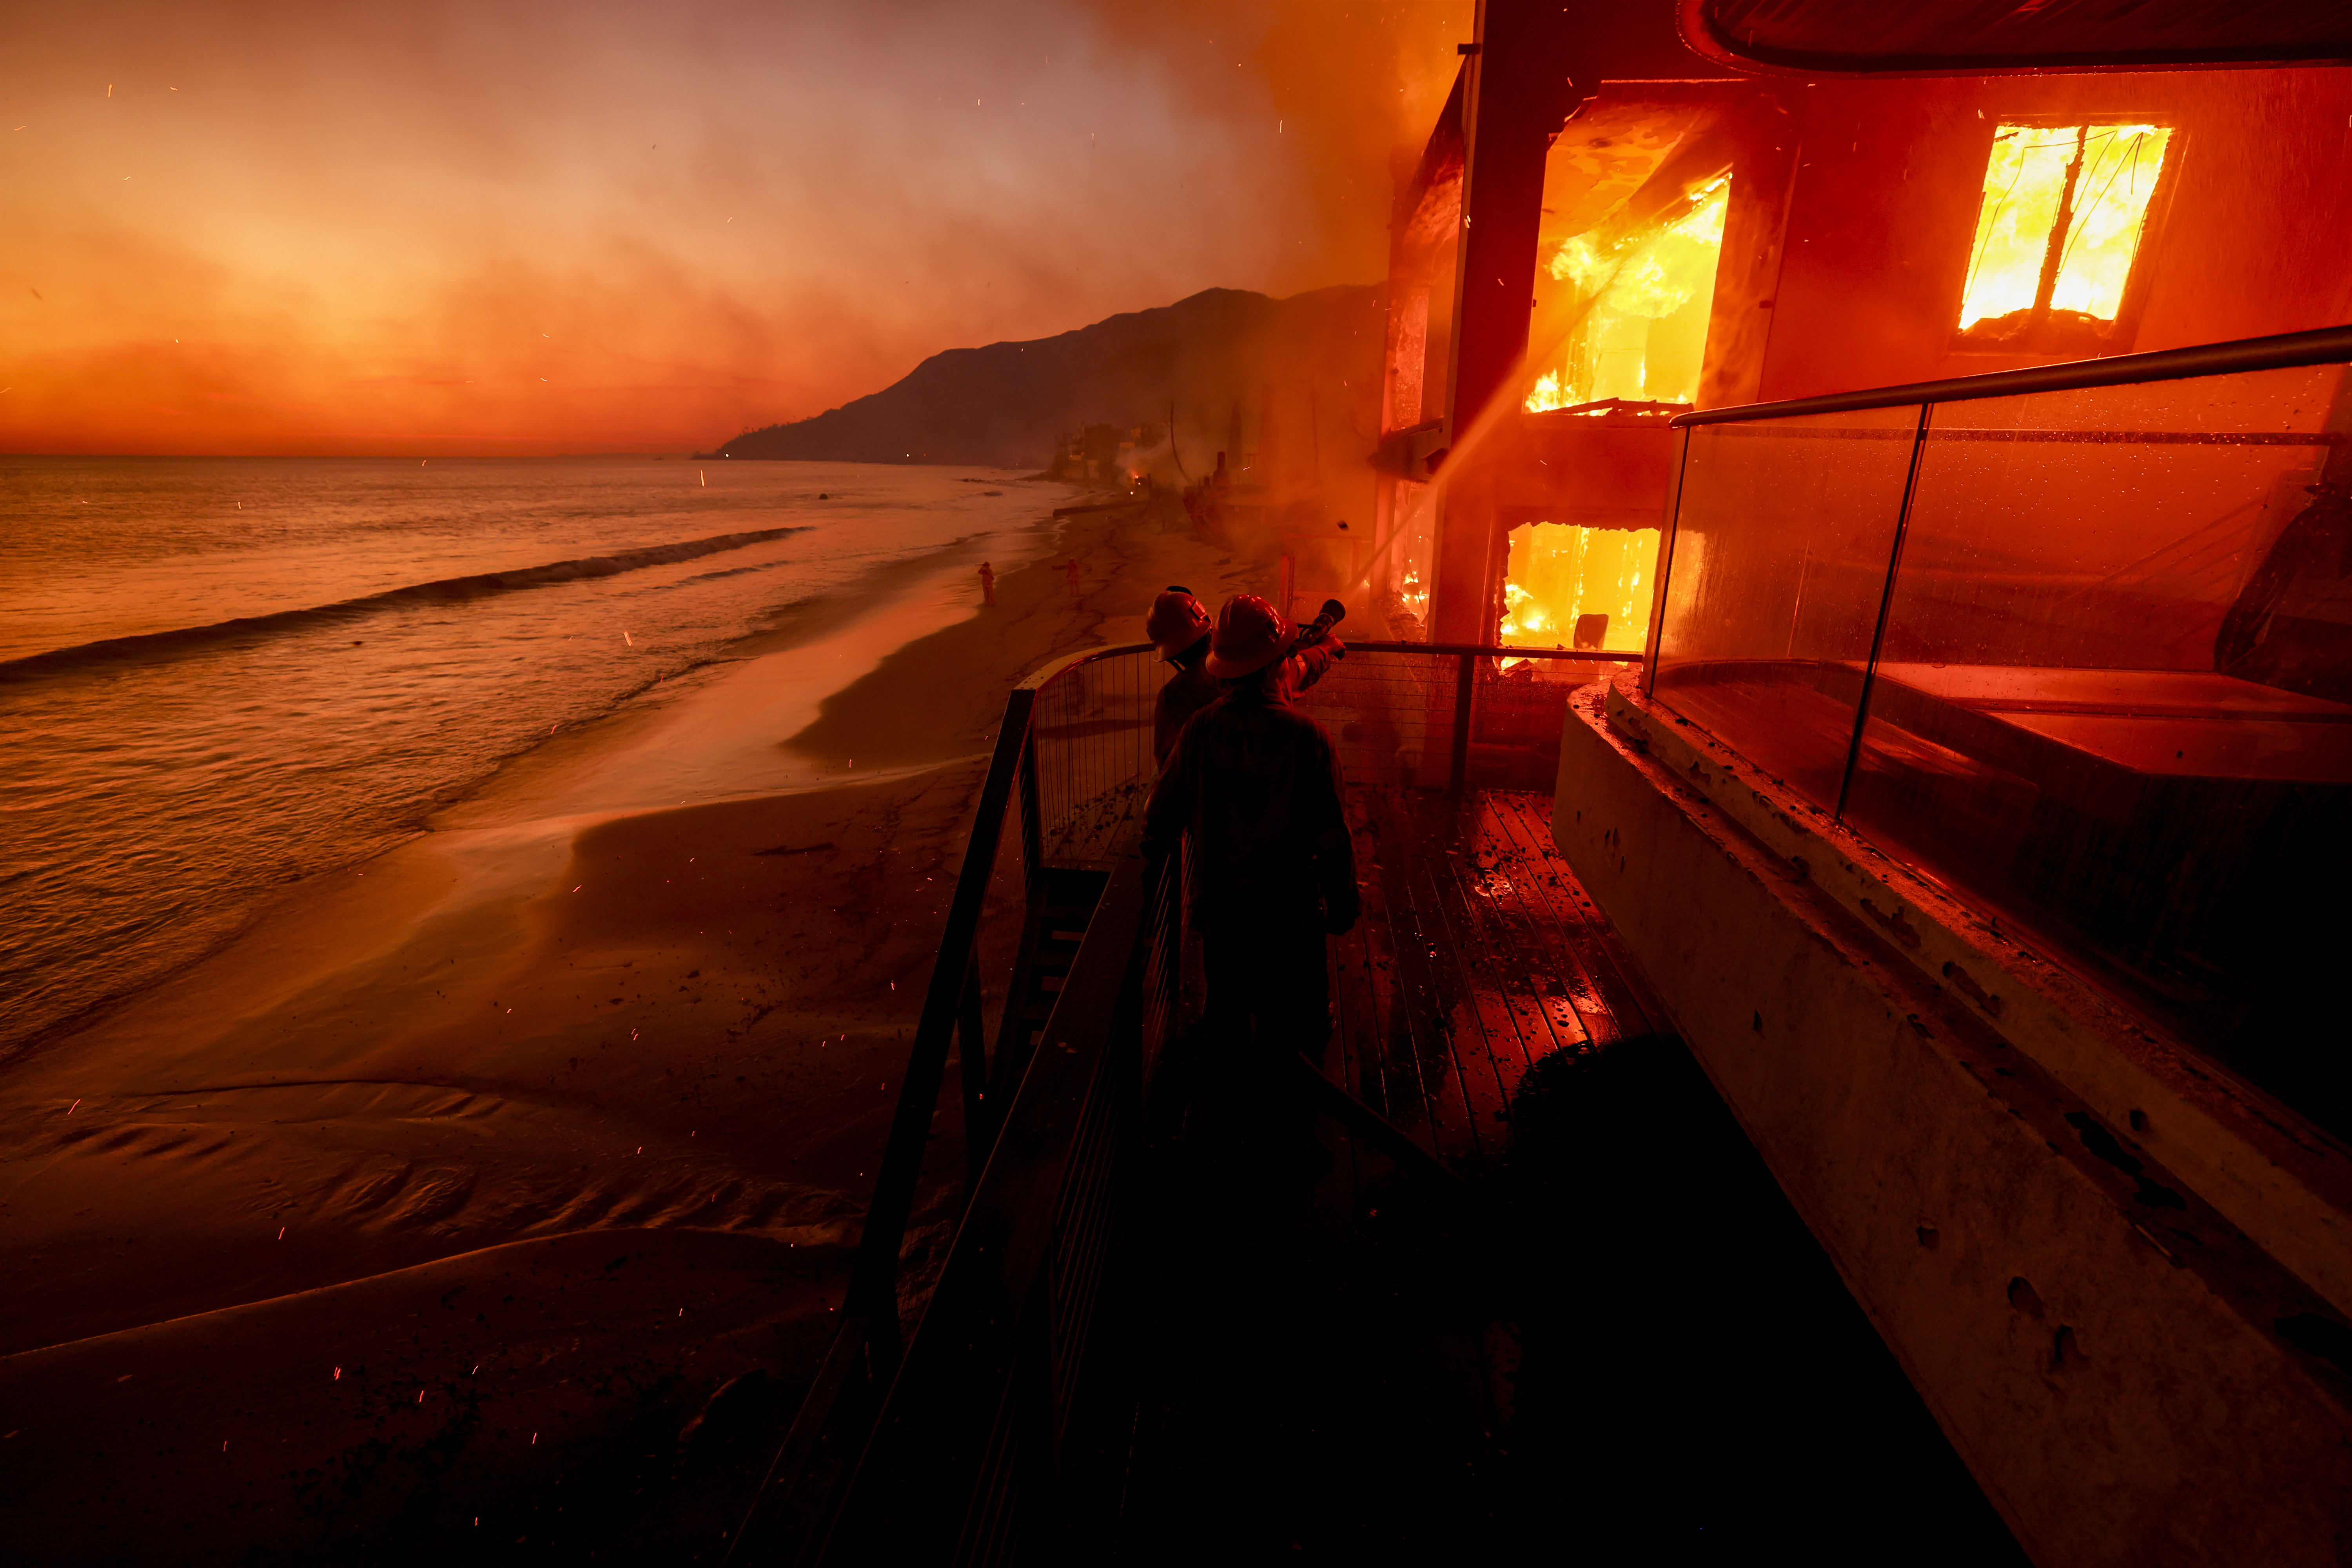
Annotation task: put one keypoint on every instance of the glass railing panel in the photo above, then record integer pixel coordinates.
(2114, 706)
(1782, 542)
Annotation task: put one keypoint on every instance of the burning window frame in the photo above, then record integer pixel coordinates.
(1601, 254)
(2051, 328)
(1634, 541)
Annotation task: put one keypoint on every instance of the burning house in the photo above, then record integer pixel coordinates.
(1863, 513)
(1974, 803)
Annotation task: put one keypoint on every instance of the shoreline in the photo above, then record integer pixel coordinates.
(790, 625)
(575, 1005)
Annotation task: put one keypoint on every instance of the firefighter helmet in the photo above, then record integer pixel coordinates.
(1176, 622)
(1251, 634)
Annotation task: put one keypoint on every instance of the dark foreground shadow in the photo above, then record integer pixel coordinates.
(1629, 1350)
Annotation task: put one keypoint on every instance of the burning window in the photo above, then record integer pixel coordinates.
(1640, 307)
(1579, 587)
(2064, 209)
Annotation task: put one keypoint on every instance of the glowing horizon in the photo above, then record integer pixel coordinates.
(264, 229)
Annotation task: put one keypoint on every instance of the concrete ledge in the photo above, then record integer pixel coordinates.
(2133, 1372)
(2274, 1175)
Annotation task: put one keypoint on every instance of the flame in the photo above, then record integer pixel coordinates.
(2113, 170)
(1561, 573)
(1642, 299)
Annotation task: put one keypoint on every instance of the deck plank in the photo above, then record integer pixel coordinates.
(1463, 1040)
(1536, 986)
(1356, 1012)
(1477, 955)
(1420, 1039)
(1391, 1056)
(1530, 954)
(1555, 902)
(1508, 959)
(1482, 1036)
(1412, 1044)
(1356, 1032)
(1601, 989)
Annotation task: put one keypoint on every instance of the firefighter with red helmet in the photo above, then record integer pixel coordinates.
(1179, 630)
(1254, 786)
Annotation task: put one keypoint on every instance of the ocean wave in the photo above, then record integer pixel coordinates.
(446, 590)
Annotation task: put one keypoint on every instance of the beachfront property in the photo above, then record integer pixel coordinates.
(1863, 515)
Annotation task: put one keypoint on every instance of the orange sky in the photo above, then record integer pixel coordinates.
(532, 227)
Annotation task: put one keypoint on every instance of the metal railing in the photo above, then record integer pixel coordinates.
(2286, 350)
(794, 1509)
(927, 1450)
(1439, 716)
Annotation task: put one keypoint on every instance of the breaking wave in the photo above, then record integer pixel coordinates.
(446, 590)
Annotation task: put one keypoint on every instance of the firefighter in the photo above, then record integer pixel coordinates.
(1179, 630)
(1178, 627)
(1256, 786)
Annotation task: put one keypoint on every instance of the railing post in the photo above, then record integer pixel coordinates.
(1663, 577)
(979, 1116)
(1466, 691)
(1886, 608)
(874, 1276)
(1033, 843)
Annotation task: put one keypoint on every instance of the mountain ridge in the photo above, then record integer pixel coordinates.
(1008, 404)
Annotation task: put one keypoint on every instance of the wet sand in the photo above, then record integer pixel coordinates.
(582, 1087)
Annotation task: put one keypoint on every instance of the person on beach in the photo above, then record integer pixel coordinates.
(987, 583)
(1070, 571)
(1178, 629)
(1256, 786)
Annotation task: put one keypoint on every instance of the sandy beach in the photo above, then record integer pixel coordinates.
(419, 1221)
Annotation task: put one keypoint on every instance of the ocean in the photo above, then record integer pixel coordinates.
(220, 676)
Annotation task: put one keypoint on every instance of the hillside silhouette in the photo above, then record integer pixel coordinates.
(1006, 404)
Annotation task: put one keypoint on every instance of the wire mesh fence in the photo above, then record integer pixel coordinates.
(1091, 756)
(1394, 709)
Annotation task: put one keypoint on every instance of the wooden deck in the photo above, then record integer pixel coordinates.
(1479, 956)
(1623, 1347)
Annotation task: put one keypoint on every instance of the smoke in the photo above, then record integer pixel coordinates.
(531, 227)
(1353, 86)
